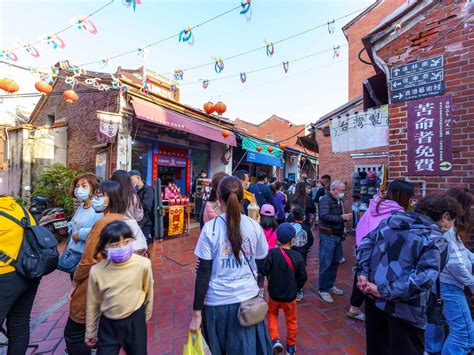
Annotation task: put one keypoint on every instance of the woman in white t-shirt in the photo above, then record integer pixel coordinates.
(225, 277)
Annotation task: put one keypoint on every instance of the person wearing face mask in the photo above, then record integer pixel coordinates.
(331, 231)
(397, 265)
(107, 199)
(82, 188)
(147, 198)
(119, 294)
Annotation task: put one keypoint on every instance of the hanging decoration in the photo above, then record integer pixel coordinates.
(178, 74)
(117, 85)
(286, 66)
(70, 80)
(173, 88)
(218, 65)
(332, 27)
(143, 52)
(336, 51)
(258, 148)
(146, 84)
(270, 148)
(243, 77)
(84, 23)
(104, 63)
(245, 7)
(225, 133)
(208, 107)
(270, 49)
(70, 96)
(128, 3)
(282, 146)
(185, 35)
(220, 108)
(9, 86)
(54, 41)
(43, 87)
(31, 50)
(9, 55)
(205, 83)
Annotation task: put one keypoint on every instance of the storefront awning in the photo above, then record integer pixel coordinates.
(260, 158)
(150, 112)
(251, 144)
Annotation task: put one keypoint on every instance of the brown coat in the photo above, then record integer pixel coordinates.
(77, 311)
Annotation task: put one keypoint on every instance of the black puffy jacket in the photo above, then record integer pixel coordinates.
(330, 214)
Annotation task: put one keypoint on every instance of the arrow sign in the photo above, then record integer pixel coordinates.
(399, 96)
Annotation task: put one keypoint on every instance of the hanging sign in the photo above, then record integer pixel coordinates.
(417, 80)
(109, 124)
(430, 140)
(176, 220)
(167, 160)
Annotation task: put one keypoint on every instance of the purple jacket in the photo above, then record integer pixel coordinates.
(280, 200)
(371, 219)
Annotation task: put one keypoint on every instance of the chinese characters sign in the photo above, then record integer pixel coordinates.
(361, 130)
(176, 220)
(417, 80)
(430, 141)
(168, 160)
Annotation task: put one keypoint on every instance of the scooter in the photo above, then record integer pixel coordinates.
(51, 218)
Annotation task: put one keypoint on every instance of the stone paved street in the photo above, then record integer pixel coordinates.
(322, 328)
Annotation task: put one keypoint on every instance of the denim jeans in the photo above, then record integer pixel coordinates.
(330, 253)
(458, 317)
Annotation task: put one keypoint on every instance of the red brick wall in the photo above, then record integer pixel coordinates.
(81, 119)
(458, 49)
(358, 71)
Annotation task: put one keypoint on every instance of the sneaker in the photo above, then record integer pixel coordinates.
(326, 297)
(336, 291)
(290, 350)
(342, 261)
(277, 346)
(299, 296)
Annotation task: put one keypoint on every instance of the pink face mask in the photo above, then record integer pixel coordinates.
(120, 255)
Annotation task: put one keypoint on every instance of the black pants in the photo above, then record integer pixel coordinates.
(357, 296)
(16, 301)
(148, 232)
(74, 336)
(129, 333)
(388, 335)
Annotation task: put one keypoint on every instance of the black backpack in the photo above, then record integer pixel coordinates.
(38, 255)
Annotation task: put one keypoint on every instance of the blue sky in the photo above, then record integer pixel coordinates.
(311, 88)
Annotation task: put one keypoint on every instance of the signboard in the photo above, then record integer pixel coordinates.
(109, 125)
(168, 160)
(265, 159)
(176, 220)
(417, 80)
(430, 141)
(361, 130)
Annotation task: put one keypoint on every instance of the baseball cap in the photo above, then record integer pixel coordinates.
(134, 173)
(267, 210)
(285, 233)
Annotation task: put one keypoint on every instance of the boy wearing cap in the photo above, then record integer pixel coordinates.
(286, 274)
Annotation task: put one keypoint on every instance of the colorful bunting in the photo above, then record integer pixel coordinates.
(286, 66)
(185, 35)
(245, 7)
(128, 3)
(218, 65)
(270, 48)
(31, 50)
(243, 77)
(54, 41)
(84, 23)
(332, 27)
(9, 55)
(336, 51)
(178, 74)
(205, 83)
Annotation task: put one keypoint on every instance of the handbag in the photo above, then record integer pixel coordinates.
(434, 311)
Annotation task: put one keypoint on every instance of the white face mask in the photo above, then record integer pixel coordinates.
(81, 193)
(341, 195)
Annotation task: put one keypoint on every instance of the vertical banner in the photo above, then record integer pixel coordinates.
(176, 220)
(154, 172)
(430, 141)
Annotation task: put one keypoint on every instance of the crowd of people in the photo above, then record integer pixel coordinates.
(411, 271)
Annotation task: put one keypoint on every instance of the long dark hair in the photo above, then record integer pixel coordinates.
(466, 200)
(128, 195)
(113, 191)
(216, 179)
(268, 222)
(276, 187)
(399, 191)
(111, 233)
(230, 192)
(300, 195)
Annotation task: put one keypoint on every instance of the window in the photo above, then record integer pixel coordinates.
(270, 136)
(101, 165)
(50, 119)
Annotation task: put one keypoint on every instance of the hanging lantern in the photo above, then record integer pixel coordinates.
(225, 133)
(10, 87)
(303, 158)
(4, 82)
(270, 149)
(70, 96)
(208, 107)
(43, 87)
(282, 145)
(258, 148)
(220, 108)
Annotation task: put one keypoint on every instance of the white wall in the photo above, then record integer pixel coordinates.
(217, 151)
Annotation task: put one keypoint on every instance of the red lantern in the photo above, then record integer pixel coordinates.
(270, 149)
(225, 133)
(282, 145)
(220, 108)
(70, 96)
(208, 107)
(10, 87)
(43, 88)
(258, 148)
(4, 82)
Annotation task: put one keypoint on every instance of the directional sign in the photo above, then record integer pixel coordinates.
(417, 67)
(417, 80)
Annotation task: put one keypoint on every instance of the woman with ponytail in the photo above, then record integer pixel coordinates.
(229, 248)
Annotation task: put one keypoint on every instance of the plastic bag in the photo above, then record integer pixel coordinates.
(196, 347)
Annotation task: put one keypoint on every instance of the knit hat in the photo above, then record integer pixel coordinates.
(267, 210)
(285, 233)
(134, 173)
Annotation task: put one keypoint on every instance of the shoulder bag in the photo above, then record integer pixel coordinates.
(434, 311)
